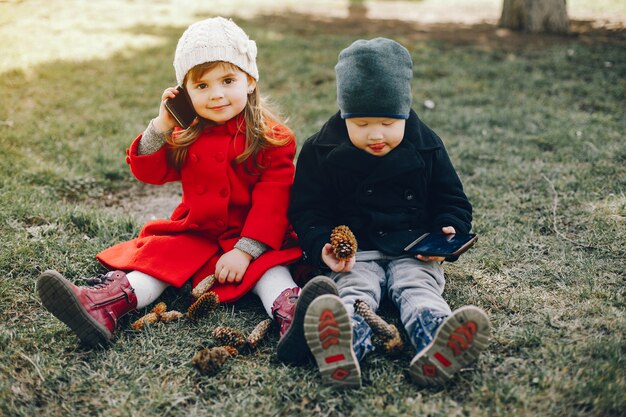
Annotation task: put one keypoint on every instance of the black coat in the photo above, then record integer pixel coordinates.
(386, 201)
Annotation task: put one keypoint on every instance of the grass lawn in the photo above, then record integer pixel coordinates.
(534, 125)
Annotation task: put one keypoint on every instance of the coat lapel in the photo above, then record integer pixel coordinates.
(401, 160)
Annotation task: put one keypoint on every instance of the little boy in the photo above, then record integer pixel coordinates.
(378, 169)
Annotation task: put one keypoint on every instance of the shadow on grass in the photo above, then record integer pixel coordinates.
(481, 35)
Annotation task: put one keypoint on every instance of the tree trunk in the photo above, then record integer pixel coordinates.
(535, 15)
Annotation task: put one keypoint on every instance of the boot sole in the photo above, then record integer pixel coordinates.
(292, 347)
(56, 295)
(328, 333)
(438, 362)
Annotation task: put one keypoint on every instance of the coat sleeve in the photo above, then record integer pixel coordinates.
(153, 168)
(267, 219)
(449, 206)
(310, 210)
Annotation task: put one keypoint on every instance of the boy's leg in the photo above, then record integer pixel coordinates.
(366, 282)
(338, 338)
(445, 341)
(328, 332)
(416, 288)
(457, 343)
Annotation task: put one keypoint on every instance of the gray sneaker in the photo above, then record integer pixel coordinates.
(457, 343)
(328, 332)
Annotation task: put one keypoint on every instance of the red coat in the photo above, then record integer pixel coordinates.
(221, 203)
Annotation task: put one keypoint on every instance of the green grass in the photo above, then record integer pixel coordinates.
(536, 131)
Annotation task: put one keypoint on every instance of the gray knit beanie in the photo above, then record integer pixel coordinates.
(374, 79)
(215, 39)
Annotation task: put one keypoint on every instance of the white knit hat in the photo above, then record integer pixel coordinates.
(215, 39)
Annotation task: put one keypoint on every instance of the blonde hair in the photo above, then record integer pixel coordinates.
(258, 117)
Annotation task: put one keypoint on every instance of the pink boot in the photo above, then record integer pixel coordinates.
(289, 310)
(91, 312)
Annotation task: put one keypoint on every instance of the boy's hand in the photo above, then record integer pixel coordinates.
(335, 264)
(448, 230)
(231, 266)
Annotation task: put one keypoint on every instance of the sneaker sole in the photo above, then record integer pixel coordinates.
(438, 363)
(292, 347)
(328, 333)
(56, 295)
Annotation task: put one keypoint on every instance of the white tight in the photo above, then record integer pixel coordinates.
(273, 282)
(147, 288)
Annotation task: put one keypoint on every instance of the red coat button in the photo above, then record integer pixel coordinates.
(200, 189)
(193, 157)
(194, 226)
(219, 157)
(224, 192)
(128, 160)
(220, 223)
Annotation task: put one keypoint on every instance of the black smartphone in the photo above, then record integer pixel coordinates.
(181, 109)
(439, 244)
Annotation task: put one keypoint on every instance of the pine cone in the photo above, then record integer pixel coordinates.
(388, 333)
(203, 286)
(227, 336)
(258, 333)
(209, 361)
(394, 345)
(232, 351)
(149, 318)
(159, 309)
(171, 316)
(343, 243)
(207, 302)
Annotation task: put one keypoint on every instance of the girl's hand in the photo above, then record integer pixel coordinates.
(231, 266)
(335, 264)
(448, 230)
(164, 122)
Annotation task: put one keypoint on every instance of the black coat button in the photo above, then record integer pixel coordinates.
(408, 195)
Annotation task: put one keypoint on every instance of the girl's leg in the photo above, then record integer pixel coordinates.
(273, 282)
(91, 312)
(287, 303)
(147, 288)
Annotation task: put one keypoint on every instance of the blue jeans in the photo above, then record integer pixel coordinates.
(361, 337)
(412, 285)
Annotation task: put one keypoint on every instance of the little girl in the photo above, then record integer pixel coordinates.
(235, 163)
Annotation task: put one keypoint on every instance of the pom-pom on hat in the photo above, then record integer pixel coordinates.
(215, 39)
(374, 79)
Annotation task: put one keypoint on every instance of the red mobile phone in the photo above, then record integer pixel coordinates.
(181, 109)
(439, 244)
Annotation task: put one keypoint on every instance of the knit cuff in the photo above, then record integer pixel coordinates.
(151, 140)
(252, 247)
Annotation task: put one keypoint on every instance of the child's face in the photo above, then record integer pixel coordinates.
(375, 135)
(220, 93)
